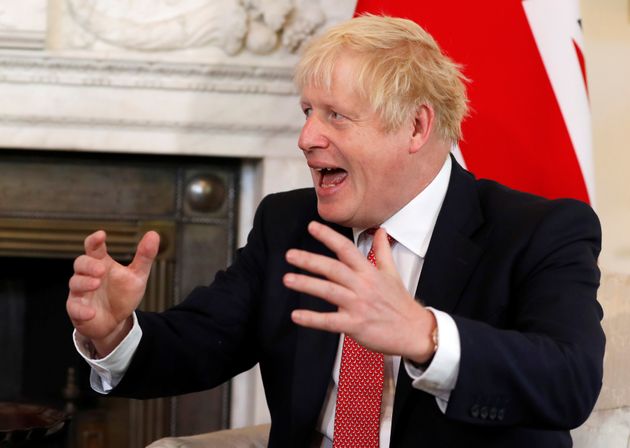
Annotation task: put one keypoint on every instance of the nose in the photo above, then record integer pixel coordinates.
(312, 135)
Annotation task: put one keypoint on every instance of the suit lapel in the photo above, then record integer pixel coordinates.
(455, 245)
(314, 356)
(453, 253)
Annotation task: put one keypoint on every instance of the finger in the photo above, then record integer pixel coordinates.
(145, 253)
(86, 265)
(95, 244)
(332, 322)
(324, 289)
(78, 311)
(344, 248)
(383, 252)
(327, 267)
(80, 284)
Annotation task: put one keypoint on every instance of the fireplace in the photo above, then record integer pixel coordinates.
(133, 77)
(49, 201)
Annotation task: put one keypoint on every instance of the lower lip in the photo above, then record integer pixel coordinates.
(329, 190)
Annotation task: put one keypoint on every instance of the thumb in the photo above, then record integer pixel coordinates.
(383, 252)
(145, 253)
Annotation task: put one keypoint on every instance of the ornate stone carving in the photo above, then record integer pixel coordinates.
(150, 25)
(272, 13)
(292, 21)
(261, 26)
(302, 24)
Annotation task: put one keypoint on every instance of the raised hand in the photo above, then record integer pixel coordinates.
(374, 307)
(104, 293)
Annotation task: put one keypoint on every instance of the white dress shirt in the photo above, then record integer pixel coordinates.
(412, 228)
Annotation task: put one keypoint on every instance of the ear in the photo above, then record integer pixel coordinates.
(422, 127)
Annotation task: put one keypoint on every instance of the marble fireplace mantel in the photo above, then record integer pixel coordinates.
(160, 77)
(116, 105)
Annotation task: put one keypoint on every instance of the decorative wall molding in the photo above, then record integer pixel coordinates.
(145, 125)
(22, 39)
(48, 69)
(23, 24)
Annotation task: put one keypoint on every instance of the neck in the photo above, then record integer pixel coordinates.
(420, 173)
(426, 165)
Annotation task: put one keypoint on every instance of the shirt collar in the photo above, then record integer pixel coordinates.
(412, 225)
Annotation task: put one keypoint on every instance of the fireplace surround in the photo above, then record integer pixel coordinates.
(49, 202)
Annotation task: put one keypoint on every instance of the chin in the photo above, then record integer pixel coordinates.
(335, 215)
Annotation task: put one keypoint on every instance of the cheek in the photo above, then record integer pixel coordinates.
(368, 182)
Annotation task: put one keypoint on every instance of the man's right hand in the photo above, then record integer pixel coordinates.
(104, 294)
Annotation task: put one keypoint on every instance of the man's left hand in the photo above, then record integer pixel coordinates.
(374, 307)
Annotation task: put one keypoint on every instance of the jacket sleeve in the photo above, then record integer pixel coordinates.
(206, 339)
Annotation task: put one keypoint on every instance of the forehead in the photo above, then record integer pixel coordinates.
(337, 81)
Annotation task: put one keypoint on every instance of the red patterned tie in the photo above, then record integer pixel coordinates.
(358, 409)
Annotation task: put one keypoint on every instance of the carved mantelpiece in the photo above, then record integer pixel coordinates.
(189, 108)
(150, 76)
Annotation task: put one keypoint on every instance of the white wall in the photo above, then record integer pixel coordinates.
(606, 25)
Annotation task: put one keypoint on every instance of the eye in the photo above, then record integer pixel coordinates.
(307, 111)
(336, 115)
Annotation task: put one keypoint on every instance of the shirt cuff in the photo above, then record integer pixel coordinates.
(440, 377)
(108, 371)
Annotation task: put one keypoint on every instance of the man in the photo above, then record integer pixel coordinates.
(472, 321)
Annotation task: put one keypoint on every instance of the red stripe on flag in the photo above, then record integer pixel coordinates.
(516, 133)
(580, 57)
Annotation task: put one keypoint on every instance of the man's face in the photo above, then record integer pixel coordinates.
(358, 169)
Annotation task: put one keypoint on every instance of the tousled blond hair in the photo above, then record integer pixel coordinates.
(399, 66)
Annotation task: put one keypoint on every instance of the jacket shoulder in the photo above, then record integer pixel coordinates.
(513, 207)
(299, 200)
(282, 215)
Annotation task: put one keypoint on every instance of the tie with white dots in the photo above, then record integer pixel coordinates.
(358, 408)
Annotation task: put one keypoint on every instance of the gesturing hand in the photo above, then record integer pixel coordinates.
(374, 307)
(104, 293)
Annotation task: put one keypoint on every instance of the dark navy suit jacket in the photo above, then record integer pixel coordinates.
(518, 273)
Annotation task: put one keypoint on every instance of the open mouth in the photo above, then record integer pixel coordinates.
(331, 177)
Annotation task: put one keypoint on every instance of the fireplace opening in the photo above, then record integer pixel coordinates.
(35, 332)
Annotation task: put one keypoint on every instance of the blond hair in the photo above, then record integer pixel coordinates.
(399, 67)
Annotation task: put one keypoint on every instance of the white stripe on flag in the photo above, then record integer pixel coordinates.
(555, 27)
